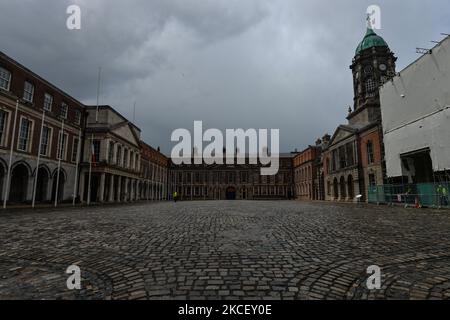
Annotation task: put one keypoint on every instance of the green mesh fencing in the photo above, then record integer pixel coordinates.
(431, 195)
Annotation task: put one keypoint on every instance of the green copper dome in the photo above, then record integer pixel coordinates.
(371, 39)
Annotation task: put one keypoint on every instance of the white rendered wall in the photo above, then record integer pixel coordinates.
(415, 110)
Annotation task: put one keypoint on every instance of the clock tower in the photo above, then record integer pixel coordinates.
(372, 66)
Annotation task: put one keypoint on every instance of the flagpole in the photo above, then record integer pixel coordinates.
(8, 177)
(98, 92)
(60, 147)
(92, 137)
(76, 168)
(38, 160)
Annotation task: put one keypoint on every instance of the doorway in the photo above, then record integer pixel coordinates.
(231, 193)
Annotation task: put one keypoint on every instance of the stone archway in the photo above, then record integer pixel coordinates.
(59, 185)
(19, 183)
(351, 192)
(43, 178)
(336, 189)
(2, 178)
(231, 193)
(343, 186)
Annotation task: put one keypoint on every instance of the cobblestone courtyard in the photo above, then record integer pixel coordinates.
(234, 250)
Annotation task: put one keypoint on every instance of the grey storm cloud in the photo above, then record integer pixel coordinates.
(231, 63)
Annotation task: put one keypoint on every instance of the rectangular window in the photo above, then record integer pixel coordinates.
(349, 150)
(372, 180)
(119, 156)
(3, 121)
(96, 151)
(370, 156)
(125, 158)
(75, 146)
(244, 177)
(28, 92)
(111, 153)
(342, 158)
(45, 141)
(64, 110)
(62, 146)
(5, 79)
(24, 134)
(48, 102)
(77, 117)
(132, 163)
(334, 160)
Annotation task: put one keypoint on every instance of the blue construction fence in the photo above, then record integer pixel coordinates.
(429, 195)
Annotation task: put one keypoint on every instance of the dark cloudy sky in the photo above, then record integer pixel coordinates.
(231, 63)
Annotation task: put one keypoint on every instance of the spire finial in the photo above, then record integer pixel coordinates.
(369, 21)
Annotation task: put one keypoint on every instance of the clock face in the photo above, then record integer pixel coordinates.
(383, 67)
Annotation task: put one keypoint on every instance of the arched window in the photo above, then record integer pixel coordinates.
(368, 70)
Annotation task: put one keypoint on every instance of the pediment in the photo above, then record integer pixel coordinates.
(125, 132)
(342, 133)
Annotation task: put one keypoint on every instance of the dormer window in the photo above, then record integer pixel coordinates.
(5, 79)
(64, 110)
(48, 102)
(77, 117)
(28, 92)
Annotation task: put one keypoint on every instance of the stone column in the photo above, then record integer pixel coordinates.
(81, 187)
(153, 191)
(138, 190)
(50, 188)
(102, 187)
(135, 190)
(119, 189)
(131, 189)
(111, 189)
(126, 190)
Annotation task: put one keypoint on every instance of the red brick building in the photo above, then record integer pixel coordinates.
(305, 173)
(27, 93)
(154, 173)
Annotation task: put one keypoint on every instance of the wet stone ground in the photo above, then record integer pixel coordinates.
(225, 250)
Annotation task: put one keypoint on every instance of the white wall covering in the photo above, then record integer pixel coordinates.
(415, 110)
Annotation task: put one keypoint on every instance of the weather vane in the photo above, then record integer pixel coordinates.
(369, 21)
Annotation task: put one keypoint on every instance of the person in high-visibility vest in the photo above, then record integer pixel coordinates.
(444, 196)
(175, 196)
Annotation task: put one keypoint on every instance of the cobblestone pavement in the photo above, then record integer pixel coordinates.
(226, 250)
